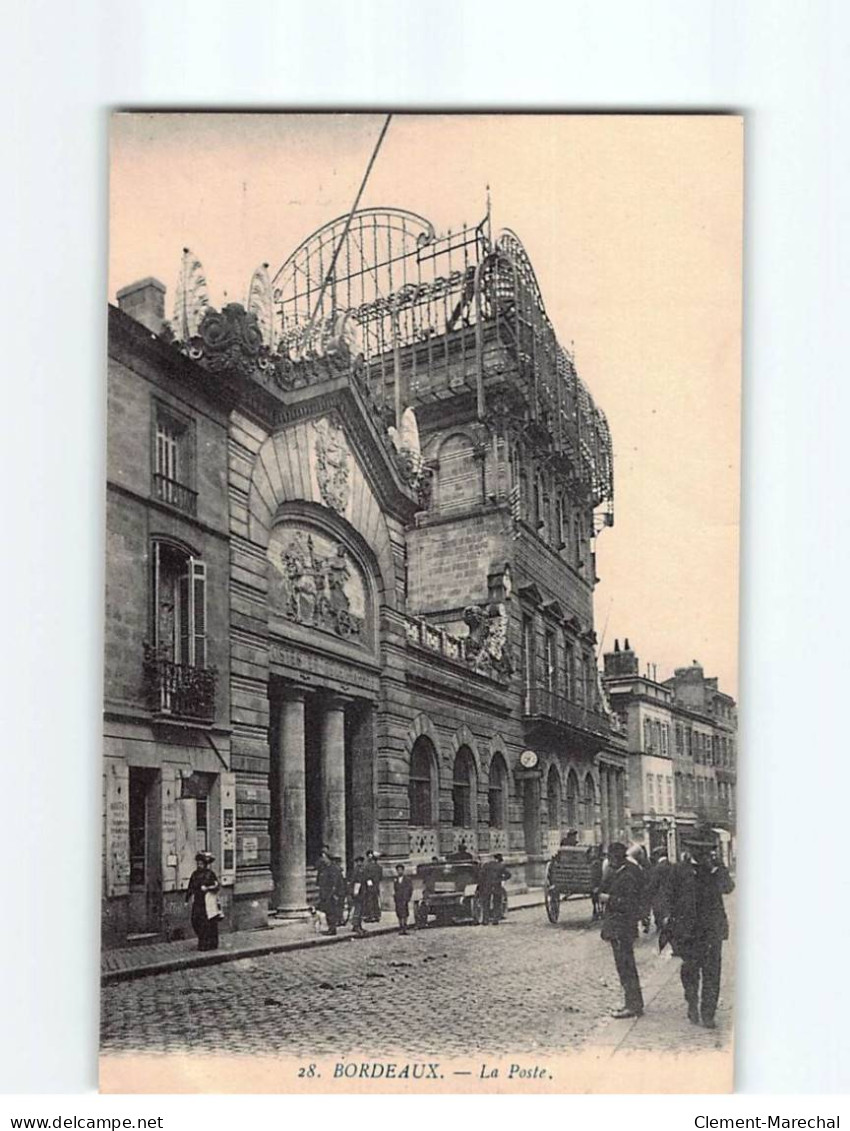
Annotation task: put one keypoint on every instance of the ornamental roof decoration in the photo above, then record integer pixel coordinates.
(191, 298)
(379, 293)
(261, 303)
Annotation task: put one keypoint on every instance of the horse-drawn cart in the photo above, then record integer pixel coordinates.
(571, 871)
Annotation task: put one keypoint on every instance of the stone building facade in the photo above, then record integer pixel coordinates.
(682, 742)
(409, 478)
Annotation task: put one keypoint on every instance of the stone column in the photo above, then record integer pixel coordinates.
(603, 804)
(332, 759)
(290, 864)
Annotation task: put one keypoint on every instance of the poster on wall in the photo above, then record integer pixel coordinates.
(423, 540)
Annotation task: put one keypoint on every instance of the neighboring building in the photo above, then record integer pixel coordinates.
(168, 785)
(402, 475)
(682, 750)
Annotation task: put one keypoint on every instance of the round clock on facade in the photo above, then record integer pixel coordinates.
(528, 759)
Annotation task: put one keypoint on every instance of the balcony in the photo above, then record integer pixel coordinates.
(179, 691)
(176, 494)
(542, 705)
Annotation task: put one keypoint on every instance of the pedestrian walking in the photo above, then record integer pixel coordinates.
(402, 895)
(636, 856)
(332, 891)
(624, 890)
(594, 854)
(206, 908)
(357, 893)
(373, 873)
(490, 891)
(698, 926)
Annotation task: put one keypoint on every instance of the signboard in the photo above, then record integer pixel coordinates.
(227, 873)
(250, 849)
(117, 827)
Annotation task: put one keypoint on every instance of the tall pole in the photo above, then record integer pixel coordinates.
(345, 230)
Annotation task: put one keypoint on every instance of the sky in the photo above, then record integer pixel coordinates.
(633, 226)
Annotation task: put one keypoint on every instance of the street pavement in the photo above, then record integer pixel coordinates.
(524, 986)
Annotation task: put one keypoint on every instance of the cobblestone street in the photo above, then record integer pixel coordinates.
(524, 987)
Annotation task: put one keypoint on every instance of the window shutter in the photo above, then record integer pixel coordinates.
(184, 617)
(155, 595)
(199, 612)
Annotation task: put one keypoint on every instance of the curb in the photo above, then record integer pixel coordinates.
(218, 957)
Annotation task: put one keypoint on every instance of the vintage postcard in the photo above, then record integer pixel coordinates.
(420, 727)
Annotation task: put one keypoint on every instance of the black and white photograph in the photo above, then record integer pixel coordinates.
(420, 738)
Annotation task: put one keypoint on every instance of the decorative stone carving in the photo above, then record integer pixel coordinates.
(332, 463)
(230, 341)
(422, 843)
(487, 644)
(261, 305)
(315, 583)
(406, 441)
(191, 298)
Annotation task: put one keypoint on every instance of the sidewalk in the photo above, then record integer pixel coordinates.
(125, 963)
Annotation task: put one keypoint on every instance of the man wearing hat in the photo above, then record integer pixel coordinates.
(204, 882)
(698, 925)
(625, 895)
(332, 891)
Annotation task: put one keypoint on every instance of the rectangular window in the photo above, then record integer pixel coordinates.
(528, 657)
(551, 662)
(179, 604)
(569, 669)
(173, 460)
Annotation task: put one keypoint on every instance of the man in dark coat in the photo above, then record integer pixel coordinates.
(660, 886)
(698, 926)
(490, 890)
(357, 892)
(373, 874)
(624, 888)
(402, 895)
(332, 891)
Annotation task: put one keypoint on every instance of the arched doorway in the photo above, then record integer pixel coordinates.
(497, 804)
(589, 809)
(422, 794)
(464, 800)
(572, 800)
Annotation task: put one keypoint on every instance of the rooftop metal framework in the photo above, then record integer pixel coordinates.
(398, 285)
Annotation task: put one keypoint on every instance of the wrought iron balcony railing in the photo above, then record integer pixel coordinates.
(179, 690)
(175, 494)
(549, 706)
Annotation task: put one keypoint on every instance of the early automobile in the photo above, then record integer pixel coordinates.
(569, 872)
(449, 893)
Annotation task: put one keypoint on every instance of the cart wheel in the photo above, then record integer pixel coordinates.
(553, 904)
(420, 915)
(477, 910)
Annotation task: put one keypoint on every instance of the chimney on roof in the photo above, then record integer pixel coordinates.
(144, 301)
(620, 663)
(627, 646)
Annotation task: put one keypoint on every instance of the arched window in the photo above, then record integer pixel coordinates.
(589, 802)
(421, 783)
(553, 796)
(463, 780)
(572, 800)
(497, 793)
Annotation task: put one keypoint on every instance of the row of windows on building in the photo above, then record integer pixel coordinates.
(576, 809)
(699, 792)
(549, 511)
(705, 749)
(659, 792)
(564, 669)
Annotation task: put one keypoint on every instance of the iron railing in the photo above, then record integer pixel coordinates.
(179, 690)
(540, 702)
(175, 494)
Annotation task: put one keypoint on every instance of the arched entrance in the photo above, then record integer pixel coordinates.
(553, 805)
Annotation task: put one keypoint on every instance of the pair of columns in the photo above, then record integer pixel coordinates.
(289, 866)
